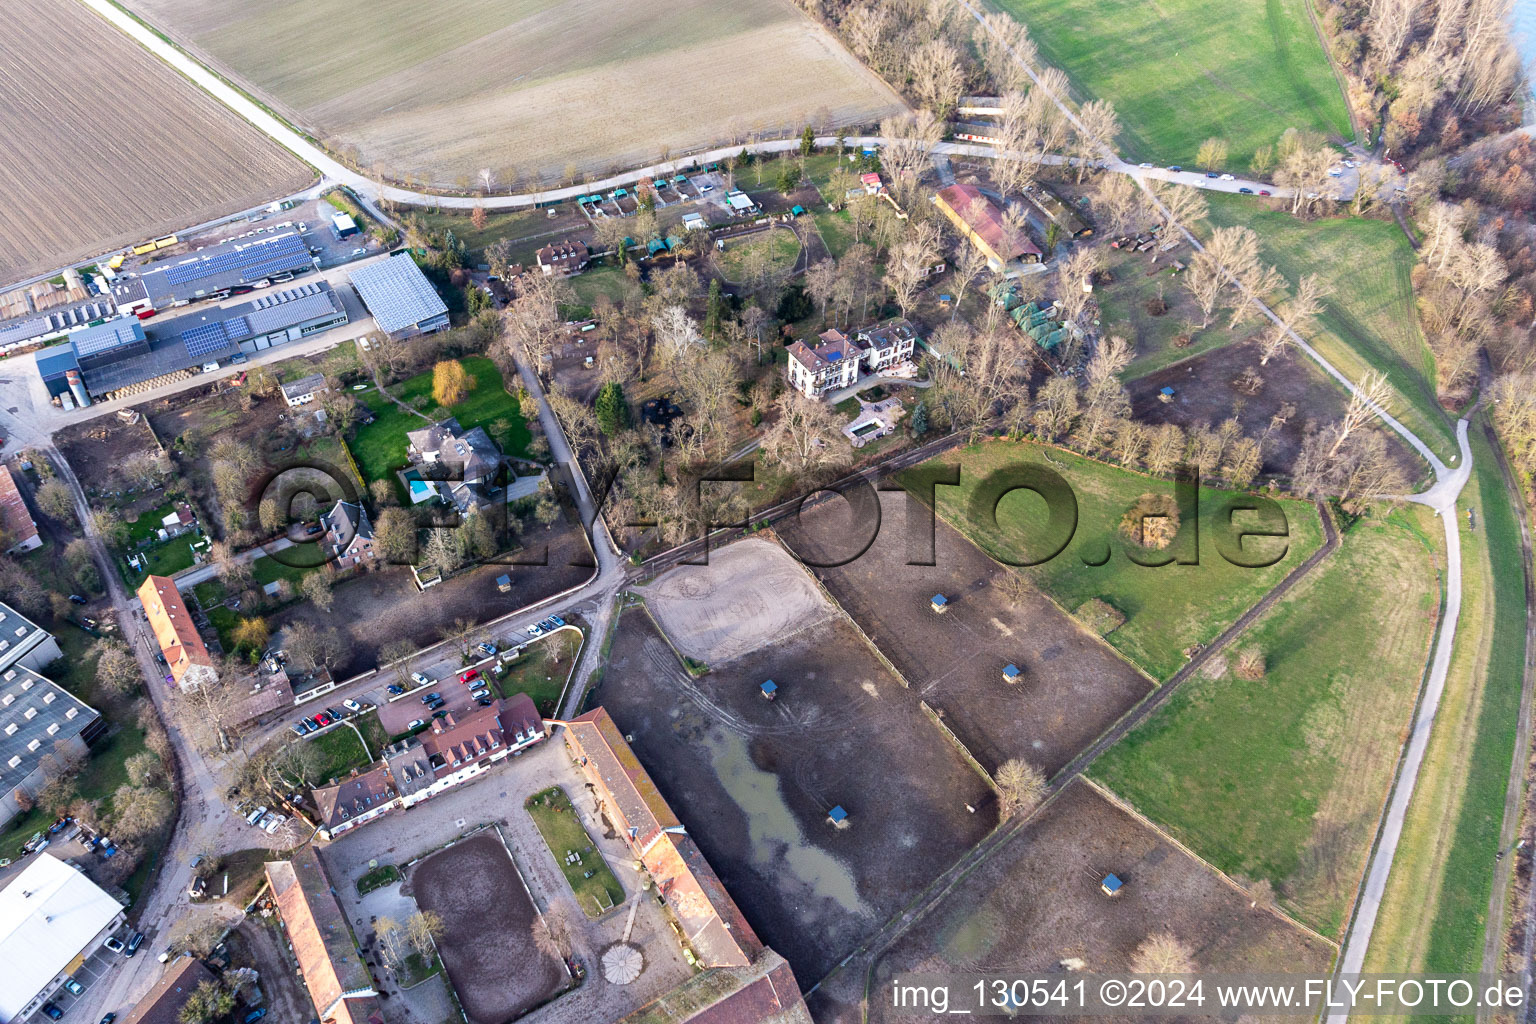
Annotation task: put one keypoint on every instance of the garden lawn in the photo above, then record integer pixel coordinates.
(340, 752)
(1283, 779)
(307, 557)
(783, 249)
(836, 230)
(1167, 608)
(535, 674)
(380, 446)
(1181, 71)
(1370, 322)
(511, 223)
(557, 822)
(1435, 910)
(606, 280)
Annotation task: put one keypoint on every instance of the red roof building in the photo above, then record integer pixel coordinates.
(20, 530)
(982, 222)
(175, 632)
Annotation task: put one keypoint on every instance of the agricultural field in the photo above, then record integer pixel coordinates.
(1166, 608)
(106, 145)
(1182, 71)
(1370, 321)
(439, 92)
(1435, 908)
(1281, 779)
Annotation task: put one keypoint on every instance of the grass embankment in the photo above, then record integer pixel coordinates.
(596, 888)
(1370, 322)
(1167, 608)
(1434, 913)
(377, 878)
(1283, 779)
(541, 671)
(1182, 71)
(380, 446)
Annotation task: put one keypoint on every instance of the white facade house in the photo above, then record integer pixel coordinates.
(839, 361)
(304, 390)
(50, 916)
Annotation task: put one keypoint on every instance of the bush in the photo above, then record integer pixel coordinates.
(1152, 522)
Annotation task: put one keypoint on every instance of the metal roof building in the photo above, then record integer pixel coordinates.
(274, 317)
(214, 271)
(24, 641)
(49, 915)
(401, 299)
(35, 715)
(51, 324)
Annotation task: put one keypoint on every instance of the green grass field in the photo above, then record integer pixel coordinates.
(1182, 71)
(783, 249)
(1167, 608)
(1283, 779)
(556, 820)
(1370, 321)
(538, 675)
(340, 751)
(380, 446)
(1435, 910)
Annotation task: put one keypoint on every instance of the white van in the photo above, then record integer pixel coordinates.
(255, 816)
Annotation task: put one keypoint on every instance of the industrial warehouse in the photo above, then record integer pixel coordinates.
(215, 272)
(122, 357)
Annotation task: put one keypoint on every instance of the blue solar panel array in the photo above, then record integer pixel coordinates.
(254, 262)
(205, 338)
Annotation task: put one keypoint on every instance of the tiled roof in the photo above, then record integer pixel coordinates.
(174, 629)
(318, 932)
(13, 510)
(355, 796)
(164, 1002)
(985, 219)
(455, 741)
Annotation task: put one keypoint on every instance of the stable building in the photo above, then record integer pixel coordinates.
(25, 643)
(400, 298)
(339, 983)
(981, 222)
(20, 531)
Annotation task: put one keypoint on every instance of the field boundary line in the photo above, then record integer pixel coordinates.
(1125, 805)
(1338, 73)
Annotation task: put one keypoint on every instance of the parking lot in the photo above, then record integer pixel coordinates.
(95, 969)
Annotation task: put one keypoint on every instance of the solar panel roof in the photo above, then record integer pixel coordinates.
(251, 262)
(105, 337)
(397, 293)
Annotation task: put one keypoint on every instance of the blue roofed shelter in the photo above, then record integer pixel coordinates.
(1111, 885)
(770, 689)
(1011, 673)
(940, 603)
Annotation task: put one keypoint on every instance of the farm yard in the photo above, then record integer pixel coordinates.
(474, 887)
(1182, 71)
(79, 178)
(1071, 688)
(1036, 904)
(1166, 608)
(1281, 777)
(754, 780)
(532, 78)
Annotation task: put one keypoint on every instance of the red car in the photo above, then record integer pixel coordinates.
(472, 674)
(321, 720)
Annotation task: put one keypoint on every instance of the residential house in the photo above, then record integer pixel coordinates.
(831, 365)
(185, 655)
(467, 462)
(164, 1002)
(887, 344)
(270, 690)
(348, 538)
(338, 981)
(711, 924)
(980, 221)
(565, 259)
(304, 390)
(346, 804)
(38, 720)
(409, 770)
(16, 524)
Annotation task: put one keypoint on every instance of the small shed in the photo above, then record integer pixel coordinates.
(1165, 394)
(504, 583)
(770, 690)
(1111, 885)
(1011, 673)
(797, 211)
(838, 817)
(939, 604)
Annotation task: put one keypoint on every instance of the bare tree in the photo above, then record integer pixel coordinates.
(422, 930)
(805, 435)
(937, 77)
(1161, 953)
(551, 932)
(1005, 49)
(1020, 787)
(393, 946)
(1098, 124)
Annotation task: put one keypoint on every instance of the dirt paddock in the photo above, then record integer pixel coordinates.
(1036, 902)
(1072, 688)
(753, 781)
(487, 943)
(750, 594)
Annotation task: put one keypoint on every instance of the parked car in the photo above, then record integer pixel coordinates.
(1175, 168)
(416, 723)
(352, 706)
(1245, 190)
(1145, 166)
(301, 728)
(1264, 192)
(535, 631)
(77, 599)
(52, 1012)
(272, 825)
(472, 674)
(109, 1018)
(557, 620)
(480, 693)
(395, 689)
(75, 988)
(261, 1011)
(1212, 174)
(436, 704)
(322, 719)
(166, 954)
(489, 650)
(419, 679)
(134, 944)
(263, 821)
(429, 698)
(115, 945)
(335, 714)
(1229, 177)
(255, 816)
(485, 702)
(440, 713)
